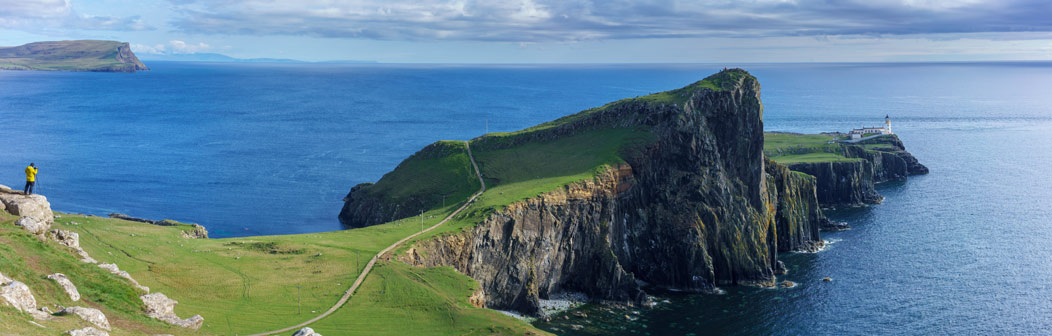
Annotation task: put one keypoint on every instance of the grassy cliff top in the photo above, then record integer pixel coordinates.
(80, 55)
(721, 81)
(789, 148)
(250, 284)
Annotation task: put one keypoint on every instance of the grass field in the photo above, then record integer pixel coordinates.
(253, 284)
(786, 148)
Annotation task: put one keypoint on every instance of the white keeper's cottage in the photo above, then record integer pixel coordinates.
(859, 132)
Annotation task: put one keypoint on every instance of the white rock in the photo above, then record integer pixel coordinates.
(89, 331)
(35, 206)
(67, 285)
(112, 268)
(66, 238)
(160, 307)
(92, 315)
(17, 295)
(306, 331)
(4, 280)
(33, 225)
(72, 240)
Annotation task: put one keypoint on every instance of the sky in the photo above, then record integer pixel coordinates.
(551, 31)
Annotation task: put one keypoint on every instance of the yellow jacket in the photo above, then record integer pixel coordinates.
(31, 174)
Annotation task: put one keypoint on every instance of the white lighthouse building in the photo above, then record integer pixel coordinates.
(858, 133)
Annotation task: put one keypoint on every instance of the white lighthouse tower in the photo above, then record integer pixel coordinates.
(887, 124)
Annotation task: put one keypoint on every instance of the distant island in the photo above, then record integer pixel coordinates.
(79, 55)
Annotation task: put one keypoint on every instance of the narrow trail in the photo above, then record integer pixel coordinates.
(368, 267)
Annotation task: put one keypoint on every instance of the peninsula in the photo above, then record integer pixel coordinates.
(79, 55)
(681, 190)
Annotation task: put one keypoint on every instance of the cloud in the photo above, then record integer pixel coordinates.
(43, 15)
(575, 20)
(174, 47)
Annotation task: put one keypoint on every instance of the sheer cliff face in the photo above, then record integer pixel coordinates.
(852, 183)
(695, 209)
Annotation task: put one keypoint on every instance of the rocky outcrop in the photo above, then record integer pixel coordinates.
(163, 222)
(33, 225)
(306, 331)
(112, 268)
(67, 286)
(196, 232)
(92, 315)
(851, 183)
(160, 307)
(71, 240)
(699, 207)
(17, 294)
(33, 206)
(88, 331)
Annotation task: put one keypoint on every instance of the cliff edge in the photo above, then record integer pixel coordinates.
(79, 55)
(669, 190)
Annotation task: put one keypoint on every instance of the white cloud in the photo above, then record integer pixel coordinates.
(174, 47)
(576, 20)
(42, 15)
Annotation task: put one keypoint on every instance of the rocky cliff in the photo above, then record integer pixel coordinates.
(851, 183)
(695, 208)
(79, 55)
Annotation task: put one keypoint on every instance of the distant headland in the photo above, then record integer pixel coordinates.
(79, 55)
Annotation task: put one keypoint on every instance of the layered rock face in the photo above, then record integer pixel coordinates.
(852, 183)
(697, 208)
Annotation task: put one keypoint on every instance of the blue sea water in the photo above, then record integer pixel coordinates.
(252, 149)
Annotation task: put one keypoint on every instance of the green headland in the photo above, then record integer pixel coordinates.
(79, 55)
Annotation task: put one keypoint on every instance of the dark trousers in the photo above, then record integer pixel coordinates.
(29, 188)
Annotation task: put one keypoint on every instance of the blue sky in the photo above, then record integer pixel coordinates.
(551, 31)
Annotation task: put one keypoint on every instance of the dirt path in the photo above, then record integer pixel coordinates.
(368, 267)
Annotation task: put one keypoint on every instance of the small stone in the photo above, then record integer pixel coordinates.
(89, 331)
(787, 284)
(306, 331)
(827, 279)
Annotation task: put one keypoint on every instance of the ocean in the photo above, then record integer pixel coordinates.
(259, 149)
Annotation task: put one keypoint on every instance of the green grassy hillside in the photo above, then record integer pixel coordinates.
(254, 284)
(82, 55)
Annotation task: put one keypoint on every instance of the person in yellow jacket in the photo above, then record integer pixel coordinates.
(31, 178)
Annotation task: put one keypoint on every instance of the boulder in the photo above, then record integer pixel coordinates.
(17, 295)
(89, 331)
(92, 315)
(67, 286)
(306, 331)
(34, 206)
(112, 268)
(160, 307)
(33, 225)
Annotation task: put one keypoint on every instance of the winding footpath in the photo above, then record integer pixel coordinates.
(368, 267)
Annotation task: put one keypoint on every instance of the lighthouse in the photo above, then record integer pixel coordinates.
(887, 124)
